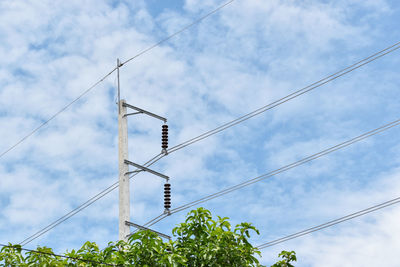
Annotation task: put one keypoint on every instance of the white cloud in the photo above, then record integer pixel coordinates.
(245, 56)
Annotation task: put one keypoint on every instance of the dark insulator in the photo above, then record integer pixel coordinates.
(167, 196)
(164, 137)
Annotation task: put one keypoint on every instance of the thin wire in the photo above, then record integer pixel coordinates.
(159, 216)
(83, 206)
(288, 97)
(178, 32)
(116, 91)
(287, 167)
(57, 255)
(69, 214)
(156, 221)
(330, 223)
(56, 114)
(290, 166)
(149, 223)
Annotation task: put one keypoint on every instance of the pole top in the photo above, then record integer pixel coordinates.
(119, 89)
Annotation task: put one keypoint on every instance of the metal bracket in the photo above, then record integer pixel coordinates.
(143, 111)
(134, 113)
(127, 173)
(146, 169)
(145, 228)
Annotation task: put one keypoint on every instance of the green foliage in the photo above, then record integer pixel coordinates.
(199, 241)
(206, 242)
(287, 257)
(12, 256)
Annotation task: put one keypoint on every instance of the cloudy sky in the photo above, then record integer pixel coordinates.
(245, 56)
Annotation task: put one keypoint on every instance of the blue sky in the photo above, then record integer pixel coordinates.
(247, 55)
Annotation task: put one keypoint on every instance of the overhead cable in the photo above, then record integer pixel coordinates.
(291, 96)
(153, 221)
(330, 223)
(55, 115)
(57, 255)
(284, 168)
(177, 32)
(290, 166)
(83, 206)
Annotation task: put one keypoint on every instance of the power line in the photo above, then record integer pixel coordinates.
(69, 214)
(153, 221)
(178, 32)
(264, 245)
(330, 223)
(290, 166)
(284, 168)
(56, 114)
(56, 255)
(291, 96)
(82, 206)
(156, 220)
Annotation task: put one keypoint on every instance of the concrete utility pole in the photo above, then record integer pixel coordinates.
(123, 162)
(124, 204)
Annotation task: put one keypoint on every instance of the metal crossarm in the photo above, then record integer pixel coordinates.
(146, 169)
(145, 228)
(143, 111)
